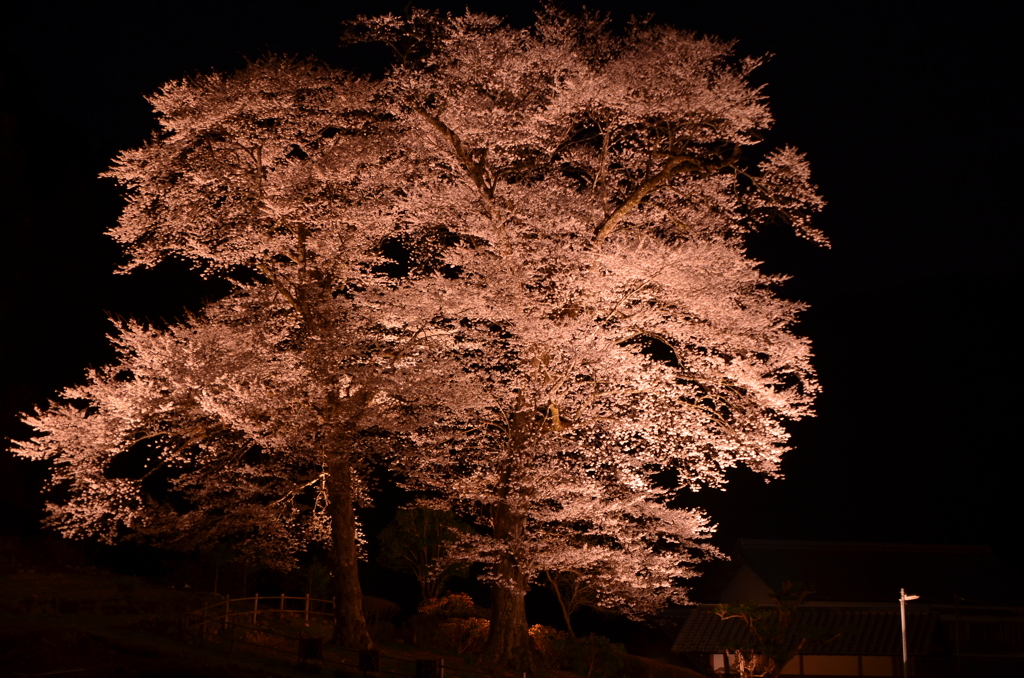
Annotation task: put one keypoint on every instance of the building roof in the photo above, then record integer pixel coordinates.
(874, 573)
(843, 631)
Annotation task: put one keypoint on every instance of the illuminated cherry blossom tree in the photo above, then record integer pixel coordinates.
(255, 417)
(522, 250)
(618, 344)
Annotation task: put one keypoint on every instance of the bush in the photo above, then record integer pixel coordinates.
(452, 624)
(462, 636)
(378, 613)
(596, 657)
(592, 656)
(452, 606)
(376, 610)
(552, 646)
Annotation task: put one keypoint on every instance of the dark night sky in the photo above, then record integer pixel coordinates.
(910, 115)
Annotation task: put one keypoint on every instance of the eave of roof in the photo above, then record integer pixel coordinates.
(841, 630)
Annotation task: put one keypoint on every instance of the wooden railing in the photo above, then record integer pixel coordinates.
(233, 622)
(225, 610)
(313, 653)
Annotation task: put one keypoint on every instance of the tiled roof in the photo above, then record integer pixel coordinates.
(858, 631)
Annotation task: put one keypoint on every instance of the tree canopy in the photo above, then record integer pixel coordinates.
(522, 251)
(618, 344)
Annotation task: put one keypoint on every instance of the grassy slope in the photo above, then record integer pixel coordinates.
(97, 625)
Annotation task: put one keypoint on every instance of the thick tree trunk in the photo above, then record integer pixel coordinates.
(349, 624)
(508, 642)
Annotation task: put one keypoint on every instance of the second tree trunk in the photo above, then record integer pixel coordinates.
(508, 642)
(350, 629)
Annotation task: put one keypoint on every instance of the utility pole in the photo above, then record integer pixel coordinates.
(903, 624)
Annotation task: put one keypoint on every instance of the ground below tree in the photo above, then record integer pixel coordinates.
(91, 623)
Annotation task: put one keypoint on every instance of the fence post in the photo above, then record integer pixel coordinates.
(280, 615)
(227, 611)
(307, 608)
(255, 608)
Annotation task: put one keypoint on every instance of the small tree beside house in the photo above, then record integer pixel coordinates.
(775, 634)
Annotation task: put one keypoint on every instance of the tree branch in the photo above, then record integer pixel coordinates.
(677, 164)
(477, 169)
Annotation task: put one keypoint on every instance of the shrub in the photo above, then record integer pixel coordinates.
(378, 610)
(596, 657)
(552, 645)
(593, 656)
(462, 636)
(451, 624)
(452, 606)
(378, 613)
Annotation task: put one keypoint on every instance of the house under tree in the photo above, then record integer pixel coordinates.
(968, 621)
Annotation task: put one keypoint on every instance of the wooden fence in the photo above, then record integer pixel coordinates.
(226, 610)
(233, 621)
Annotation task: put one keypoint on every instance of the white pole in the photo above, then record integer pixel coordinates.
(903, 626)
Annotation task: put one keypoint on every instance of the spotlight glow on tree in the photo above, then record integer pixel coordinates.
(574, 333)
(617, 344)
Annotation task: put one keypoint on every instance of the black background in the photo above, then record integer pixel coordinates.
(910, 115)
